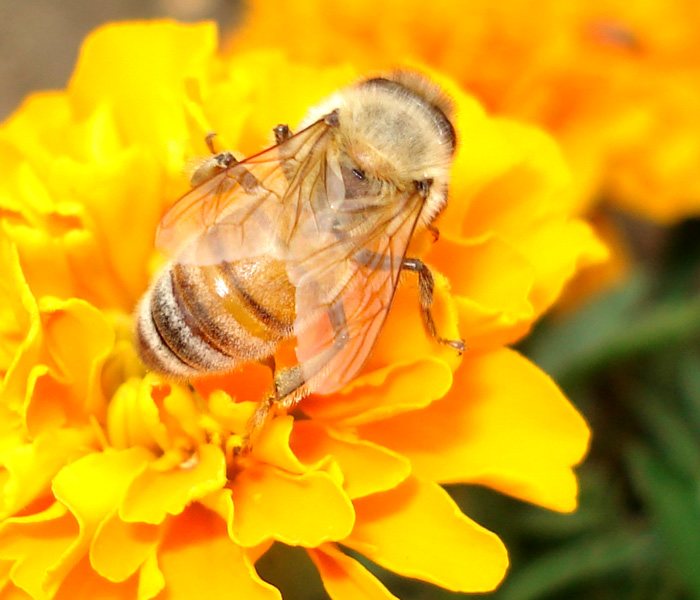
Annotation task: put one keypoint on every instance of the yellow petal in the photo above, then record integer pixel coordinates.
(147, 102)
(78, 339)
(198, 559)
(492, 282)
(304, 510)
(366, 468)
(388, 391)
(153, 494)
(37, 543)
(92, 488)
(272, 447)
(417, 530)
(32, 466)
(151, 580)
(504, 424)
(119, 548)
(346, 579)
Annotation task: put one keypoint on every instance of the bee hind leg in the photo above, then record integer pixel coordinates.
(287, 390)
(426, 286)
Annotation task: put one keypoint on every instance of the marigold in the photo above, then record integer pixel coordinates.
(119, 484)
(616, 82)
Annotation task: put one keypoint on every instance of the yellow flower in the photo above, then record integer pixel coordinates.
(616, 82)
(120, 484)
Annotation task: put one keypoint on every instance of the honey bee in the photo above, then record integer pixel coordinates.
(305, 240)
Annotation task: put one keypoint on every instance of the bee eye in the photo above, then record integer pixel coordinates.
(359, 173)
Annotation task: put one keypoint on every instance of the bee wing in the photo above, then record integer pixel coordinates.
(243, 210)
(344, 293)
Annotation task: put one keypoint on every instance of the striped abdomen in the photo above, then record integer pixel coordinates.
(200, 320)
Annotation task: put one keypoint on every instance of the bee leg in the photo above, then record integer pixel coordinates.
(209, 141)
(435, 232)
(285, 393)
(289, 384)
(282, 133)
(212, 166)
(426, 285)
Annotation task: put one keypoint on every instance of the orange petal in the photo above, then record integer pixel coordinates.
(154, 494)
(346, 579)
(418, 531)
(367, 468)
(504, 424)
(491, 281)
(84, 582)
(382, 393)
(118, 548)
(576, 246)
(37, 542)
(304, 510)
(198, 559)
(12, 592)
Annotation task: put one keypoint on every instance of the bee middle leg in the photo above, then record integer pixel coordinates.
(426, 286)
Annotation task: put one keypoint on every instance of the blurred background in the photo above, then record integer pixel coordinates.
(628, 357)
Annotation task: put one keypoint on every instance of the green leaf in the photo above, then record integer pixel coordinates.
(673, 504)
(586, 559)
(615, 328)
(675, 440)
(689, 382)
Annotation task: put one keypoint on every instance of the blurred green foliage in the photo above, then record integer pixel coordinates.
(630, 362)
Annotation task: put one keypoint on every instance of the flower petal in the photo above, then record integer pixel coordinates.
(92, 488)
(346, 579)
(153, 494)
(83, 582)
(418, 531)
(272, 447)
(119, 548)
(151, 580)
(492, 282)
(36, 543)
(272, 504)
(515, 433)
(78, 339)
(381, 393)
(148, 103)
(32, 466)
(197, 558)
(367, 468)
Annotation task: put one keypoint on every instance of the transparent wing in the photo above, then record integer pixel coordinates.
(345, 290)
(250, 207)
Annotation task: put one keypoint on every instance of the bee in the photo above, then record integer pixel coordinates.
(304, 241)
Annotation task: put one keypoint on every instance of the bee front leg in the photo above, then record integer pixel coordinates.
(282, 133)
(219, 161)
(426, 285)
